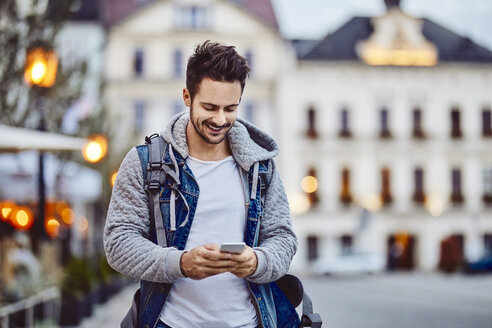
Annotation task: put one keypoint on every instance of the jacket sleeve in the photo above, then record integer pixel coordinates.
(277, 242)
(126, 232)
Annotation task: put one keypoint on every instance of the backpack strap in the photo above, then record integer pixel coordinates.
(154, 179)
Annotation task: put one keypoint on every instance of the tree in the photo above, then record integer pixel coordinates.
(21, 24)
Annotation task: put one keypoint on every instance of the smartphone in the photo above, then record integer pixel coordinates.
(232, 247)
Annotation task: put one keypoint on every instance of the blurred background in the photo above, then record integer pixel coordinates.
(382, 111)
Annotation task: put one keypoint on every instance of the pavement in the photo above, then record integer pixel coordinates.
(403, 300)
(110, 314)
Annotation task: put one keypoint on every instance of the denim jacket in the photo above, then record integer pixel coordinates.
(268, 229)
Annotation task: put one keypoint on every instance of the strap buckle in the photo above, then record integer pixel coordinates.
(155, 166)
(153, 186)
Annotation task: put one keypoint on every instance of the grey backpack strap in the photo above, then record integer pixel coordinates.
(309, 319)
(156, 149)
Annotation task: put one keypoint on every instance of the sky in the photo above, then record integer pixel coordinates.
(313, 19)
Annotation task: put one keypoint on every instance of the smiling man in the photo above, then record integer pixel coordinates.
(228, 190)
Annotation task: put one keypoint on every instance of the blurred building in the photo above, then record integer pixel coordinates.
(389, 133)
(149, 42)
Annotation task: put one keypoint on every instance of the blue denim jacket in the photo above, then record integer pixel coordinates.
(272, 307)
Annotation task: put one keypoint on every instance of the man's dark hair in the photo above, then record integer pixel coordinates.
(217, 62)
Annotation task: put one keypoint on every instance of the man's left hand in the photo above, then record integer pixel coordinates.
(246, 263)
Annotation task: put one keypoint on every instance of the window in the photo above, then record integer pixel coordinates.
(386, 197)
(177, 63)
(487, 243)
(249, 111)
(311, 120)
(138, 62)
(191, 17)
(456, 195)
(417, 124)
(312, 249)
(250, 59)
(345, 131)
(345, 195)
(419, 195)
(385, 131)
(486, 123)
(455, 124)
(487, 186)
(139, 122)
(347, 242)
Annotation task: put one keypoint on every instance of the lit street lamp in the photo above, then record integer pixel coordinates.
(40, 73)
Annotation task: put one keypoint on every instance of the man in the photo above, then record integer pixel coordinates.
(229, 191)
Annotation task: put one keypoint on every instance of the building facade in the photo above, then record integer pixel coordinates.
(147, 51)
(387, 141)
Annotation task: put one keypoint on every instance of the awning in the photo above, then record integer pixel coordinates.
(13, 139)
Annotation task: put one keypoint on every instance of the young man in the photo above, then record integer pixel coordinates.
(229, 190)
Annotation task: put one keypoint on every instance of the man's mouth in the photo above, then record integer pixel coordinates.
(216, 128)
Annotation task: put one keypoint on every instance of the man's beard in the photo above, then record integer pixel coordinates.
(205, 123)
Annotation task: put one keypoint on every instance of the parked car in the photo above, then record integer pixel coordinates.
(483, 265)
(354, 263)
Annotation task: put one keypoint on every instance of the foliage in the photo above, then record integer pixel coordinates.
(22, 23)
(78, 278)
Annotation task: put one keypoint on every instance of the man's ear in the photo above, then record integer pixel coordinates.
(186, 97)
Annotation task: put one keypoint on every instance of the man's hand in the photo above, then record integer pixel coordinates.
(244, 264)
(205, 261)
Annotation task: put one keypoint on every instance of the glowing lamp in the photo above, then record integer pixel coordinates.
(41, 67)
(67, 216)
(95, 149)
(52, 227)
(6, 209)
(309, 184)
(22, 218)
(113, 178)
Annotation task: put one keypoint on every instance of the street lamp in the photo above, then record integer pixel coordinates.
(40, 73)
(95, 149)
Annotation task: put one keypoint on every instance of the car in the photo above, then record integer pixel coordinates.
(352, 263)
(483, 265)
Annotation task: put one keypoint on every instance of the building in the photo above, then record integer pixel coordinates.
(389, 131)
(149, 42)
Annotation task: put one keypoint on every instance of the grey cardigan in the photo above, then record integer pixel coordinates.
(126, 233)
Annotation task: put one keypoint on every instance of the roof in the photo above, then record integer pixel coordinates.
(88, 11)
(262, 9)
(341, 44)
(114, 11)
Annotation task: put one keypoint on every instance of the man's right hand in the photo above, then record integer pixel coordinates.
(205, 261)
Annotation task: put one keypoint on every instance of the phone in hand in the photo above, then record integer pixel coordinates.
(236, 248)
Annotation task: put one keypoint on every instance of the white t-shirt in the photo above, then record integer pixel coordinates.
(222, 300)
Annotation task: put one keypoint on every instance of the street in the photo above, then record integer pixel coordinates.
(403, 300)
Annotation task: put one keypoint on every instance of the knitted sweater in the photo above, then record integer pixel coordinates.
(126, 233)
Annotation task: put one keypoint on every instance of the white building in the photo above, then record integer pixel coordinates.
(147, 50)
(391, 114)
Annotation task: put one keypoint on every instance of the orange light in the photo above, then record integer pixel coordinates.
(41, 66)
(52, 226)
(309, 184)
(113, 178)
(67, 215)
(6, 209)
(96, 149)
(22, 218)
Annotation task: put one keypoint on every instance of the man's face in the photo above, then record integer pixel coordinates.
(214, 109)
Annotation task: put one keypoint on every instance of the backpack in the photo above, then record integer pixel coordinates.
(156, 176)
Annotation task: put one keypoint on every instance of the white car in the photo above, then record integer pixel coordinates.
(355, 263)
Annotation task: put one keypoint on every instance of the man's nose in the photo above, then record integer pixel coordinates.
(220, 119)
